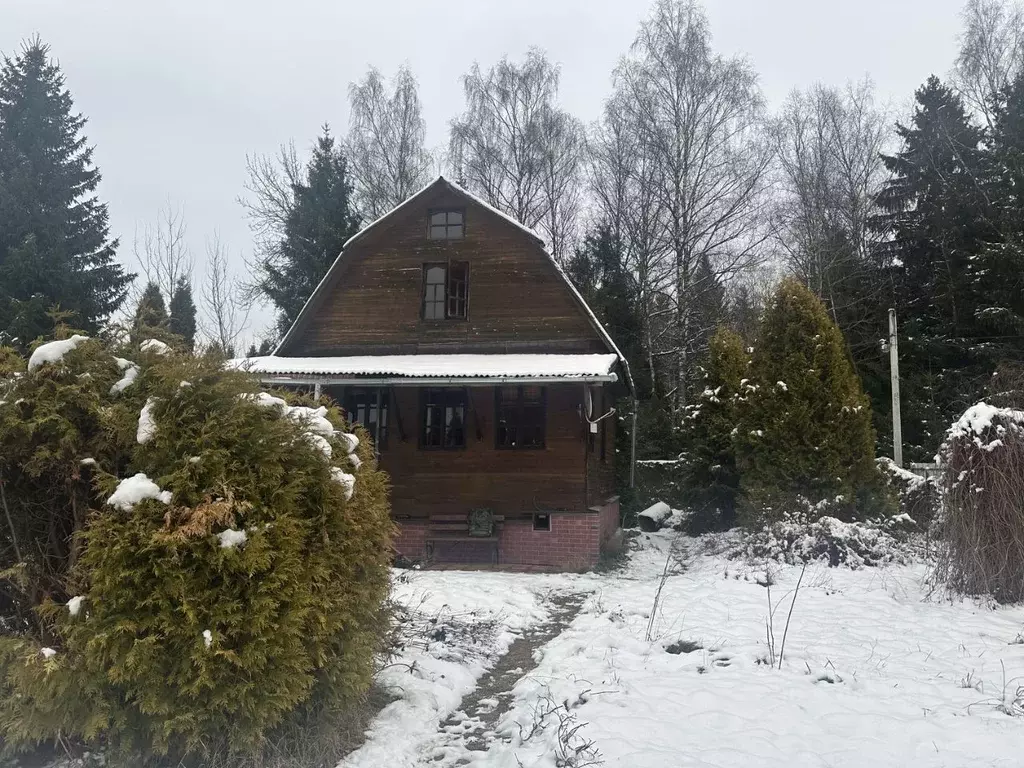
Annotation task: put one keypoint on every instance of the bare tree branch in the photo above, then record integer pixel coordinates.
(386, 141)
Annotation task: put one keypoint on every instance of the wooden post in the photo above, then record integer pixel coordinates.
(380, 416)
(894, 377)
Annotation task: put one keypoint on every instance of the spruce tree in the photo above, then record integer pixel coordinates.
(150, 315)
(321, 218)
(806, 435)
(599, 272)
(997, 275)
(710, 426)
(55, 247)
(183, 313)
(937, 217)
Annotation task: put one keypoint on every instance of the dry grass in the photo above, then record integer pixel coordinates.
(983, 524)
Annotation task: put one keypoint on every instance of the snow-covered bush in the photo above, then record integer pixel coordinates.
(812, 536)
(919, 497)
(805, 430)
(181, 587)
(982, 523)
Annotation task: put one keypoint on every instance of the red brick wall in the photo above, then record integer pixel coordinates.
(574, 542)
(411, 540)
(609, 516)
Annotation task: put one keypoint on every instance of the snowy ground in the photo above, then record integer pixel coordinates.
(875, 672)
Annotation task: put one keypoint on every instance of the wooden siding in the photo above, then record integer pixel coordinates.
(514, 483)
(373, 301)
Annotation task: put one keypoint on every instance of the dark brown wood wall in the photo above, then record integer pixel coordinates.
(510, 482)
(517, 300)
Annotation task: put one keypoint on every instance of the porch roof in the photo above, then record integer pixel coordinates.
(431, 369)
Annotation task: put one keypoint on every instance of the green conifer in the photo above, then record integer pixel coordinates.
(709, 428)
(182, 307)
(55, 246)
(806, 437)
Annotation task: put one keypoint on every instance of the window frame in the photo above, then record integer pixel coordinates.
(547, 517)
(381, 395)
(521, 405)
(452, 395)
(432, 212)
(448, 294)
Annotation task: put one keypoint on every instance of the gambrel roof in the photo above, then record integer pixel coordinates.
(323, 288)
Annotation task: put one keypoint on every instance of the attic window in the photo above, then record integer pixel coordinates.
(445, 290)
(446, 225)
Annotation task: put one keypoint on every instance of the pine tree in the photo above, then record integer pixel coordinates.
(709, 428)
(55, 247)
(321, 219)
(183, 313)
(806, 433)
(938, 217)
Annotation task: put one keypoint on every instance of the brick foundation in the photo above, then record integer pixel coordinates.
(609, 515)
(411, 541)
(574, 542)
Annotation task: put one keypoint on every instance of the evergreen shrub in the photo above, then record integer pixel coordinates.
(187, 562)
(709, 429)
(805, 437)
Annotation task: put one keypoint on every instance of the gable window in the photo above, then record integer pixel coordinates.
(445, 290)
(443, 419)
(446, 225)
(521, 417)
(368, 407)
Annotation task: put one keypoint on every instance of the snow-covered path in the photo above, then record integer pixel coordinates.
(875, 673)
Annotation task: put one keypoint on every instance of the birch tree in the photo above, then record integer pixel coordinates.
(701, 116)
(830, 143)
(225, 309)
(518, 150)
(991, 53)
(162, 251)
(386, 141)
(624, 179)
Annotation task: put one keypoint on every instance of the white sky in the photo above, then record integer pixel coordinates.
(178, 93)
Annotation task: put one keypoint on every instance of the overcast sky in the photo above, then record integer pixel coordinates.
(178, 93)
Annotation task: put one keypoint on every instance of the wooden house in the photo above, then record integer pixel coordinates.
(452, 336)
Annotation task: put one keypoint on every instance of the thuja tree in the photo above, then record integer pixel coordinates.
(185, 561)
(806, 442)
(709, 430)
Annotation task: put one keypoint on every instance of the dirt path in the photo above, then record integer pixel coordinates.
(470, 729)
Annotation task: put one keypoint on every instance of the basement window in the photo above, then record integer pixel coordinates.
(541, 521)
(521, 417)
(445, 291)
(446, 225)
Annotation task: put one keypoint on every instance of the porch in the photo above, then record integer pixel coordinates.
(523, 441)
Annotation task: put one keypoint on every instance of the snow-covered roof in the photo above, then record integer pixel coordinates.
(417, 369)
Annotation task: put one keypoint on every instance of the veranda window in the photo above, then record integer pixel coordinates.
(443, 419)
(521, 417)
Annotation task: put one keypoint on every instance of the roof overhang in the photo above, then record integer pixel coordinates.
(432, 370)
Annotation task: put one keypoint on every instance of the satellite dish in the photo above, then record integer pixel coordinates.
(588, 403)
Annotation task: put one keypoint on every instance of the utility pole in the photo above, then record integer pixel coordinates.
(894, 377)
